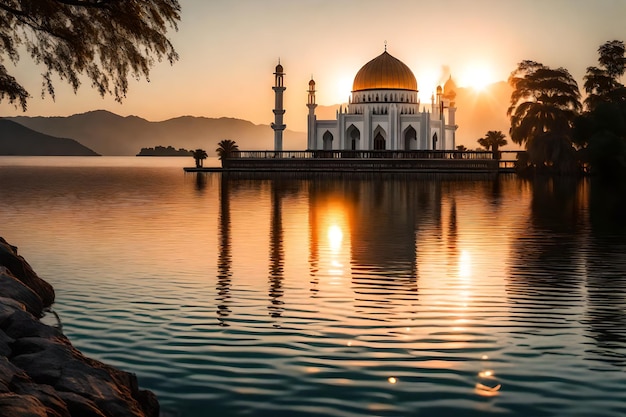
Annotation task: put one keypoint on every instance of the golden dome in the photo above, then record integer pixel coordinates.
(384, 72)
(449, 88)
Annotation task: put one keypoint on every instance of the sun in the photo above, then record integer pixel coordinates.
(477, 77)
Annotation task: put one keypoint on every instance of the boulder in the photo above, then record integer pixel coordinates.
(41, 373)
(11, 287)
(15, 405)
(23, 272)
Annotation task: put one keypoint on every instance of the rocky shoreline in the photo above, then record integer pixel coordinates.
(41, 373)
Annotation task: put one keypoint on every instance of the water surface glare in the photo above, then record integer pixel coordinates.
(333, 296)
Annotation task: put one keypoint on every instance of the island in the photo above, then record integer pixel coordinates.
(164, 151)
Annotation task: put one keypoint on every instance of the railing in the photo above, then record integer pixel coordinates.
(349, 154)
(372, 160)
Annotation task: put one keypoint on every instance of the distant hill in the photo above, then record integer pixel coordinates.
(16, 139)
(111, 134)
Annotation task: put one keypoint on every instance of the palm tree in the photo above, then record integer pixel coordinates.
(602, 84)
(543, 100)
(602, 128)
(544, 105)
(493, 140)
(199, 155)
(225, 148)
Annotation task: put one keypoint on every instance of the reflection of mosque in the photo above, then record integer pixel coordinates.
(224, 262)
(382, 221)
(277, 254)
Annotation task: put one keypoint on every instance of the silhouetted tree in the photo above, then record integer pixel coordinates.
(602, 83)
(200, 155)
(461, 148)
(602, 128)
(225, 148)
(544, 105)
(493, 140)
(105, 41)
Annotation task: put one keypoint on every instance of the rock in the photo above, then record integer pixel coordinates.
(5, 344)
(20, 324)
(11, 287)
(14, 405)
(23, 272)
(41, 373)
(8, 374)
(55, 405)
(80, 406)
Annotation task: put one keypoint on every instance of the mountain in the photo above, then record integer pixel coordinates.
(111, 134)
(16, 139)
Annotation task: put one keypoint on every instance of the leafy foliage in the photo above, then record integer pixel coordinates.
(225, 148)
(602, 128)
(543, 100)
(493, 139)
(602, 83)
(199, 155)
(106, 41)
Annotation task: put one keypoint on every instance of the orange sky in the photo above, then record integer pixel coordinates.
(228, 51)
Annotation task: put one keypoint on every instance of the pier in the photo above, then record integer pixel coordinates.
(421, 161)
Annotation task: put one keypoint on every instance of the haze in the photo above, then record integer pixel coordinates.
(229, 49)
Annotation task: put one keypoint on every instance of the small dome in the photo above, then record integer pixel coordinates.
(439, 89)
(311, 82)
(384, 72)
(449, 88)
(279, 69)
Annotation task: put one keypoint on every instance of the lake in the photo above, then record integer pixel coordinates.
(336, 295)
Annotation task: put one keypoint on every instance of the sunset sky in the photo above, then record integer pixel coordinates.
(228, 51)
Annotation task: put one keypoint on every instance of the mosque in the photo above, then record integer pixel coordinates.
(383, 113)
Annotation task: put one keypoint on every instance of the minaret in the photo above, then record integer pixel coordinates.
(278, 125)
(311, 145)
(440, 107)
(449, 90)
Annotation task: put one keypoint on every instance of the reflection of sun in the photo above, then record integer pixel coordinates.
(335, 237)
(465, 264)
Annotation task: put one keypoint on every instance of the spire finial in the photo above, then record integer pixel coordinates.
(385, 46)
(278, 60)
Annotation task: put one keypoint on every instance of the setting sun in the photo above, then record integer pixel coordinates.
(477, 76)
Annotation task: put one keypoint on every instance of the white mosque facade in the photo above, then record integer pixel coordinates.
(383, 113)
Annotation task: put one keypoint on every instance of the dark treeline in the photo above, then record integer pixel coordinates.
(561, 133)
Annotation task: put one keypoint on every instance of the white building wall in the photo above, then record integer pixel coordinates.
(392, 117)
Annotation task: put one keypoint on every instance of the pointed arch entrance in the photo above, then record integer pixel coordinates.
(354, 138)
(380, 141)
(327, 141)
(410, 139)
(435, 141)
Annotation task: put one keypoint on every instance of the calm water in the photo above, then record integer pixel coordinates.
(344, 296)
